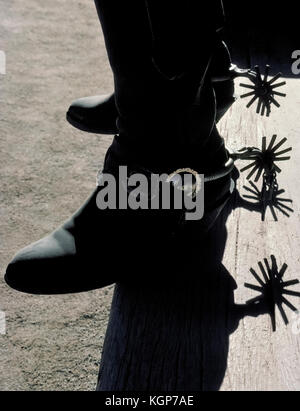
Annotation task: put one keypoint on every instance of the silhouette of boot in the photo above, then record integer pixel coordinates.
(95, 248)
(163, 126)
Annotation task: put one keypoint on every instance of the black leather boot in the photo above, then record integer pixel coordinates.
(91, 250)
(95, 248)
(163, 126)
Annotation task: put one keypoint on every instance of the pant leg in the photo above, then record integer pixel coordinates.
(184, 34)
(160, 117)
(142, 95)
(127, 35)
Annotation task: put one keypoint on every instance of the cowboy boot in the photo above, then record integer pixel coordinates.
(74, 258)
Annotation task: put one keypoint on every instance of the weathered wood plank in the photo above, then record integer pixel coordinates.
(259, 359)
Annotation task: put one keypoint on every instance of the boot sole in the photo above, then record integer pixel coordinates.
(80, 126)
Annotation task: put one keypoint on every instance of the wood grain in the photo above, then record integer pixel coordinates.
(258, 358)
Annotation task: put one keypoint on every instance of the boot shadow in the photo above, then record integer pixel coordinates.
(170, 331)
(261, 202)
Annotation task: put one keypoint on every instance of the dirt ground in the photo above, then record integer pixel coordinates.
(55, 53)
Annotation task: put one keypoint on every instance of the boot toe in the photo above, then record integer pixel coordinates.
(94, 114)
(43, 267)
(78, 107)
